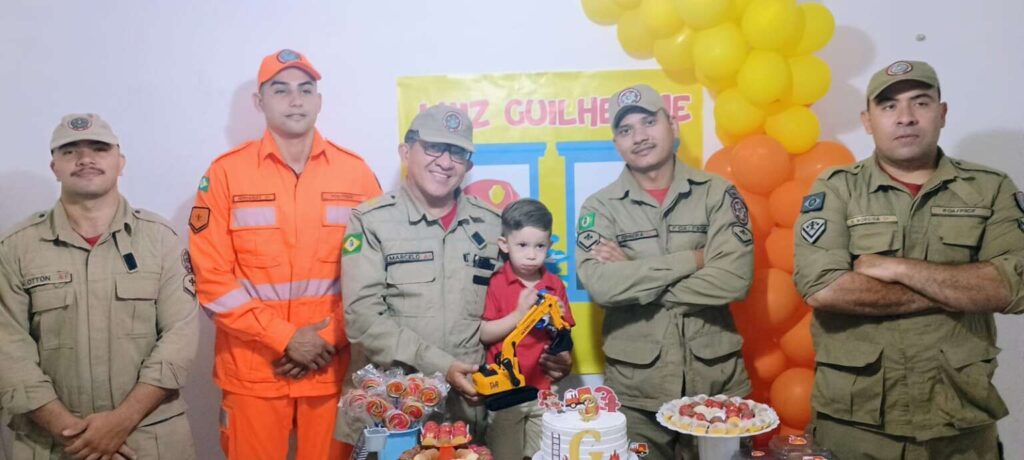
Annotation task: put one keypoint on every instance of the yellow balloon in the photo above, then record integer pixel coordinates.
(661, 17)
(819, 25)
(737, 9)
(796, 128)
(770, 24)
(719, 52)
(764, 77)
(811, 79)
(603, 12)
(726, 139)
(633, 35)
(675, 55)
(735, 115)
(627, 4)
(715, 87)
(702, 14)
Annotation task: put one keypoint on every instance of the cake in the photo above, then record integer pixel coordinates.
(567, 435)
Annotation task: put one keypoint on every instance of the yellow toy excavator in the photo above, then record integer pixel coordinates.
(501, 383)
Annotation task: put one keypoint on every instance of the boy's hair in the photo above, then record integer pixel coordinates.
(525, 212)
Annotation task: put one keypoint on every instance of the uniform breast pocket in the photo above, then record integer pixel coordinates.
(687, 237)
(52, 317)
(957, 239)
(334, 222)
(411, 271)
(880, 238)
(135, 309)
(256, 236)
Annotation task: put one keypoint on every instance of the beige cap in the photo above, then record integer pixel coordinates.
(82, 127)
(900, 71)
(641, 96)
(445, 124)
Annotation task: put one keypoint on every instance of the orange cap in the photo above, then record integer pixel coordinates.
(281, 60)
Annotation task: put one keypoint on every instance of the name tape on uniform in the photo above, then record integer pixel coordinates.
(407, 257)
(47, 278)
(623, 238)
(253, 197)
(961, 211)
(341, 196)
(860, 220)
(687, 228)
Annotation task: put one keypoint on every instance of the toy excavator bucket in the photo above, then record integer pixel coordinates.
(513, 397)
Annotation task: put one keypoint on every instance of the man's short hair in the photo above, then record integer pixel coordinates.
(525, 212)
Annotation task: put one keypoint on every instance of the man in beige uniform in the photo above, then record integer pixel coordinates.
(417, 264)
(97, 315)
(905, 257)
(664, 249)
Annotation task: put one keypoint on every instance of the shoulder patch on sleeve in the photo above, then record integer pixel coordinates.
(812, 230)
(742, 234)
(1018, 197)
(813, 202)
(352, 244)
(586, 221)
(586, 240)
(737, 205)
(199, 219)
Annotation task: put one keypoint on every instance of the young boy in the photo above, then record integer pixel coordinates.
(525, 238)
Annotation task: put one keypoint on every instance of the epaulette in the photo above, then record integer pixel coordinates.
(473, 200)
(969, 166)
(29, 221)
(235, 149)
(345, 150)
(854, 169)
(377, 202)
(150, 216)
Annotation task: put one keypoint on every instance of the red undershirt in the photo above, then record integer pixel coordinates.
(658, 194)
(448, 217)
(913, 188)
(91, 239)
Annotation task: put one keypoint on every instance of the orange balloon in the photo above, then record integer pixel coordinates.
(782, 301)
(780, 248)
(760, 164)
(785, 202)
(760, 391)
(761, 260)
(797, 343)
(718, 163)
(767, 363)
(759, 210)
(791, 396)
(822, 156)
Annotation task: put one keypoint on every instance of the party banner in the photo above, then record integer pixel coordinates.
(547, 136)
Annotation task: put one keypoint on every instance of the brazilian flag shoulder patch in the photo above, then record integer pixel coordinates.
(204, 184)
(352, 244)
(586, 222)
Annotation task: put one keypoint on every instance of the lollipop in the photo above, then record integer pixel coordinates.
(396, 420)
(414, 409)
(430, 395)
(396, 387)
(413, 385)
(377, 407)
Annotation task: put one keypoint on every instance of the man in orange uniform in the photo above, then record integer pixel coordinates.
(267, 227)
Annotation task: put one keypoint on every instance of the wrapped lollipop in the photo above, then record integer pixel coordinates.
(394, 383)
(430, 395)
(377, 407)
(413, 385)
(396, 420)
(368, 378)
(413, 408)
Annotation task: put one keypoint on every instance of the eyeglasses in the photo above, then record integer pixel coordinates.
(436, 149)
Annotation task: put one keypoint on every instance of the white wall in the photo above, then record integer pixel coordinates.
(175, 78)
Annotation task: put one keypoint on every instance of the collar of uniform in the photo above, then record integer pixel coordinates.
(510, 277)
(60, 226)
(945, 170)
(626, 185)
(268, 147)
